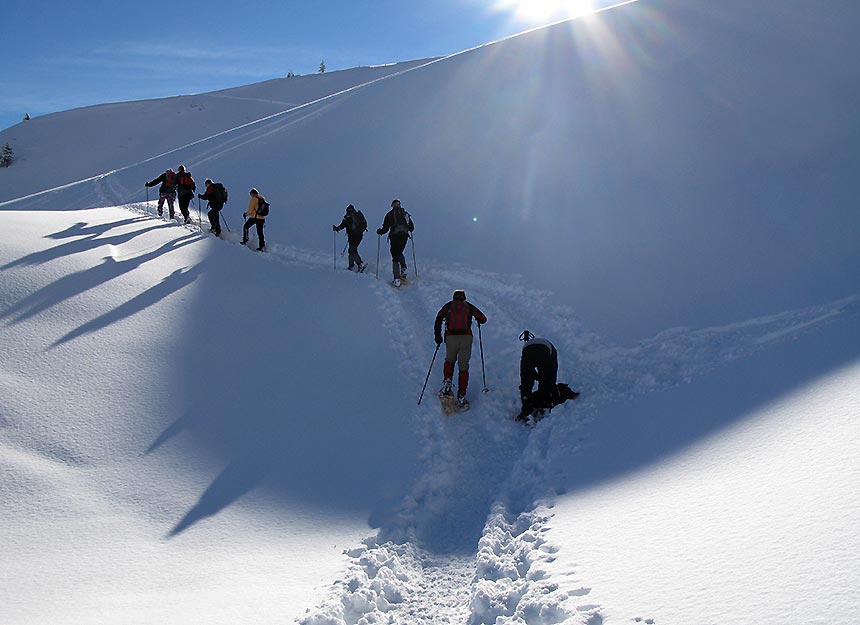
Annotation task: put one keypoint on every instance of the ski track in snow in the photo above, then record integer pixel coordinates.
(463, 548)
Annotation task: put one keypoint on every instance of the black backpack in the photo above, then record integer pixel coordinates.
(262, 207)
(401, 221)
(220, 195)
(359, 223)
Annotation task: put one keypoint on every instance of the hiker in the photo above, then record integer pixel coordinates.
(355, 225)
(258, 208)
(167, 190)
(539, 363)
(457, 315)
(216, 196)
(398, 224)
(185, 188)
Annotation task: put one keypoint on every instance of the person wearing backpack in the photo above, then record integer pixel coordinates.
(185, 188)
(216, 195)
(258, 208)
(355, 225)
(167, 191)
(539, 363)
(398, 224)
(457, 316)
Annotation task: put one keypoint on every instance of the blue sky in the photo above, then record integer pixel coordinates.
(62, 55)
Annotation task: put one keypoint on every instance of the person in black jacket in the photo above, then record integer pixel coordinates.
(355, 225)
(167, 190)
(185, 188)
(539, 363)
(398, 224)
(216, 195)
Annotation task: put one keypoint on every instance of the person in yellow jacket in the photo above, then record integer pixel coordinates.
(258, 208)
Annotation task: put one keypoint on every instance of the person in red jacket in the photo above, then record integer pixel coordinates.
(457, 316)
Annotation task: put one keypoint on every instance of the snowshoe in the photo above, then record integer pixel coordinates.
(448, 401)
(462, 404)
(362, 267)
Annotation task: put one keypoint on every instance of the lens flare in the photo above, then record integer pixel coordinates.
(544, 10)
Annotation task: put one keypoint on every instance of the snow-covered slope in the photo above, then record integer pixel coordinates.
(191, 432)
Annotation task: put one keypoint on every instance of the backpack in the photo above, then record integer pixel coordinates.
(262, 207)
(220, 195)
(170, 179)
(359, 223)
(401, 221)
(459, 317)
(185, 179)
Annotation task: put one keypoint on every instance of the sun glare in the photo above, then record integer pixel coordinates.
(545, 10)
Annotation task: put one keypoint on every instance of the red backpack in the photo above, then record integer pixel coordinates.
(185, 179)
(459, 318)
(169, 179)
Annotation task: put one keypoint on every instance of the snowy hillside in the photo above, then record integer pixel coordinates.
(194, 432)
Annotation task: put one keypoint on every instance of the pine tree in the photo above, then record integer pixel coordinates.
(6, 156)
(322, 67)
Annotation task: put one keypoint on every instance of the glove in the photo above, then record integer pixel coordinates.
(244, 214)
(379, 231)
(334, 228)
(438, 338)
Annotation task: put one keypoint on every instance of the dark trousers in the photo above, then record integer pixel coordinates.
(538, 364)
(214, 215)
(354, 242)
(259, 223)
(184, 201)
(398, 261)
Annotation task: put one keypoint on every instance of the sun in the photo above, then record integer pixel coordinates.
(545, 10)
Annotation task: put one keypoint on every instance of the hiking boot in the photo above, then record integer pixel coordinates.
(161, 213)
(261, 249)
(447, 387)
(403, 275)
(362, 267)
(188, 220)
(462, 402)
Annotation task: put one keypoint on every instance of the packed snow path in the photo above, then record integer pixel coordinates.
(467, 542)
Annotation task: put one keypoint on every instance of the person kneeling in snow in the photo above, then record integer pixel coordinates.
(539, 363)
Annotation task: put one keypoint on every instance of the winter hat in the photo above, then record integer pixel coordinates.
(460, 294)
(395, 201)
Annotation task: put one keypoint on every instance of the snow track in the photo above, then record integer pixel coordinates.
(467, 543)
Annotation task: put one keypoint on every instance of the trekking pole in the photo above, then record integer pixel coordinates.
(483, 371)
(199, 216)
(334, 248)
(147, 198)
(414, 264)
(428, 373)
(378, 243)
(224, 217)
(343, 251)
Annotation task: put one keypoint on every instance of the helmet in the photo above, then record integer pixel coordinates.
(526, 336)
(459, 294)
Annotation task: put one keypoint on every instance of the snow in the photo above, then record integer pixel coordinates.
(191, 431)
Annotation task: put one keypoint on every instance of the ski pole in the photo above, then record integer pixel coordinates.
(483, 370)
(199, 216)
(224, 217)
(334, 248)
(343, 251)
(378, 243)
(147, 198)
(414, 264)
(428, 373)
